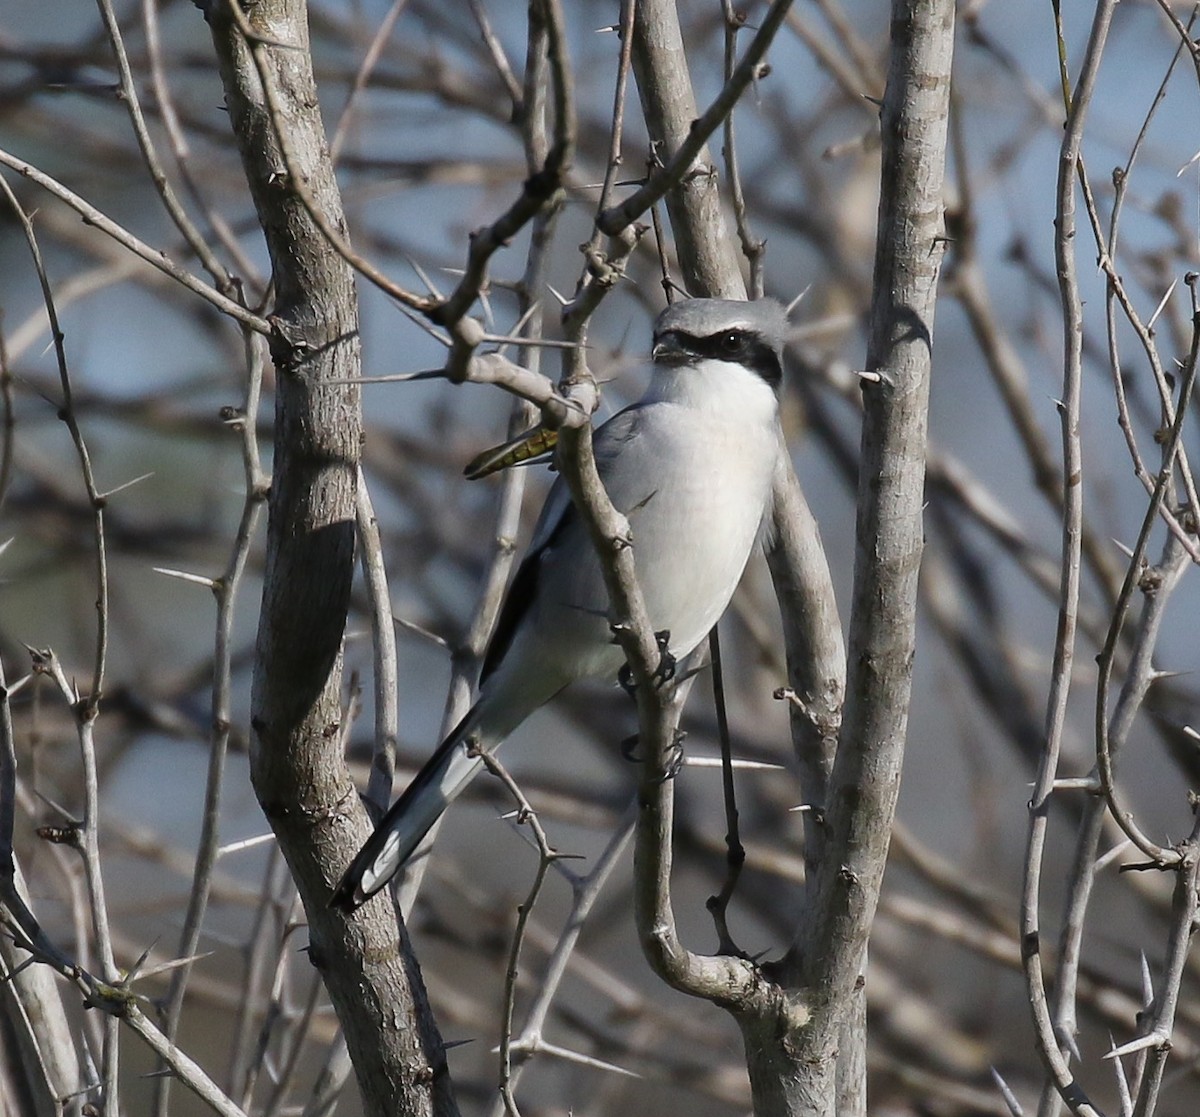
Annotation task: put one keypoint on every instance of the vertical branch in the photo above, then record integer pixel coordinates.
(753, 249)
(385, 664)
(889, 531)
(225, 588)
(584, 893)
(617, 128)
(275, 898)
(602, 268)
(90, 707)
(1135, 578)
(171, 204)
(707, 256)
(1072, 504)
(363, 75)
(815, 650)
(1157, 584)
(31, 1006)
(544, 42)
(735, 852)
(84, 709)
(8, 424)
(299, 777)
(1166, 1002)
(168, 116)
(84, 837)
(546, 858)
(1004, 363)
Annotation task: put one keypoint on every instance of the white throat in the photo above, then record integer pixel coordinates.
(714, 386)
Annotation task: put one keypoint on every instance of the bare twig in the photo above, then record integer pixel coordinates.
(128, 94)
(297, 181)
(126, 239)
(8, 423)
(67, 414)
(225, 589)
(547, 856)
(752, 248)
(1161, 1023)
(603, 269)
(542, 187)
(362, 76)
(1072, 502)
(614, 219)
(181, 149)
(1135, 578)
(386, 664)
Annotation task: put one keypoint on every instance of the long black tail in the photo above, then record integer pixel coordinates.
(442, 778)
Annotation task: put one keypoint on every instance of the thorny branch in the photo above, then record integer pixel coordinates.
(244, 421)
(1138, 577)
(806, 172)
(154, 257)
(671, 173)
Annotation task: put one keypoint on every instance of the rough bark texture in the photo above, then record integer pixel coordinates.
(708, 258)
(816, 652)
(803, 1022)
(296, 764)
(866, 774)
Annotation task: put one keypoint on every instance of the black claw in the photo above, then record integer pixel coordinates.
(665, 671)
(675, 755)
(625, 681)
(675, 760)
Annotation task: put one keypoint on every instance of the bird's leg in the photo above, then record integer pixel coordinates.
(663, 674)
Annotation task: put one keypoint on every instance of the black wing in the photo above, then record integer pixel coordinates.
(557, 516)
(520, 594)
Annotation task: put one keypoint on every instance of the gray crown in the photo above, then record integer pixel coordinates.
(706, 317)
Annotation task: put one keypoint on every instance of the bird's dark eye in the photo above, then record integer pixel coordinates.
(730, 342)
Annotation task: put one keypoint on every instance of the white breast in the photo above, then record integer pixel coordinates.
(691, 469)
(693, 536)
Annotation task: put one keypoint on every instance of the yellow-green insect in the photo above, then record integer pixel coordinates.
(531, 446)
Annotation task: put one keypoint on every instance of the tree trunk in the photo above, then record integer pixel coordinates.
(296, 763)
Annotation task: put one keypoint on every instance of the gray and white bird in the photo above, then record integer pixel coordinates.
(690, 465)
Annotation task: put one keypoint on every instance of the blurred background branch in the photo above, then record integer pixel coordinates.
(153, 249)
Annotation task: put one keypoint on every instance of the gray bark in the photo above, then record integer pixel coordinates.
(708, 257)
(830, 957)
(804, 1022)
(39, 1069)
(296, 764)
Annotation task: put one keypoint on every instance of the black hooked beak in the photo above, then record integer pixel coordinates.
(671, 349)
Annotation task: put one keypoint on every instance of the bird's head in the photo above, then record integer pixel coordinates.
(750, 334)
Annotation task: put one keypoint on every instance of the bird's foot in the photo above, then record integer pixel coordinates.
(674, 758)
(625, 681)
(663, 673)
